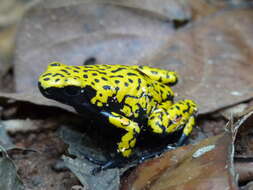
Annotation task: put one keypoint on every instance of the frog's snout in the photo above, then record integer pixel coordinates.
(46, 92)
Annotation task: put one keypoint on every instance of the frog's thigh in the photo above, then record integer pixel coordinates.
(168, 119)
(181, 114)
(157, 122)
(128, 140)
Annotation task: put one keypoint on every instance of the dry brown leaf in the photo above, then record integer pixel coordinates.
(111, 34)
(207, 54)
(164, 9)
(244, 140)
(202, 8)
(234, 111)
(245, 170)
(213, 58)
(249, 186)
(34, 97)
(207, 165)
(11, 12)
(244, 148)
(7, 39)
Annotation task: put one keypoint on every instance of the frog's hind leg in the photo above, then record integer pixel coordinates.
(182, 115)
(161, 75)
(168, 120)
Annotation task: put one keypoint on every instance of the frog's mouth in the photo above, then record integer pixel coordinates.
(52, 93)
(71, 95)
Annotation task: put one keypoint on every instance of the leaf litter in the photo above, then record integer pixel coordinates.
(8, 175)
(211, 50)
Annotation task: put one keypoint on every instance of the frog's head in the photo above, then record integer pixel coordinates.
(64, 83)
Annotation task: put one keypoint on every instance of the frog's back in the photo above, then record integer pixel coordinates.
(132, 88)
(126, 85)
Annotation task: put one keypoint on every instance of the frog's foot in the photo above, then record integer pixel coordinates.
(94, 161)
(182, 140)
(118, 162)
(173, 146)
(154, 154)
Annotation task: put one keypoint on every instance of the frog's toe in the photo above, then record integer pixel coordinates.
(147, 156)
(182, 140)
(115, 163)
(96, 170)
(94, 161)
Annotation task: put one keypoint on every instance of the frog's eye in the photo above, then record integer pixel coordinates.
(72, 91)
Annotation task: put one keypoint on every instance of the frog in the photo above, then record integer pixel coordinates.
(133, 98)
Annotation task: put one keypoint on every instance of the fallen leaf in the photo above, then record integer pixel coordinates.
(11, 12)
(243, 140)
(234, 111)
(213, 57)
(249, 186)
(244, 169)
(207, 55)
(5, 140)
(95, 30)
(164, 9)
(108, 179)
(8, 175)
(33, 97)
(200, 8)
(244, 148)
(206, 165)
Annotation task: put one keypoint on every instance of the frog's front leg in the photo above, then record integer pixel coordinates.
(127, 143)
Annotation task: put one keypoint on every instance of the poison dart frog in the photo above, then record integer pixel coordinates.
(125, 96)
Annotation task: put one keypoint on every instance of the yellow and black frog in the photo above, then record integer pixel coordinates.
(133, 98)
